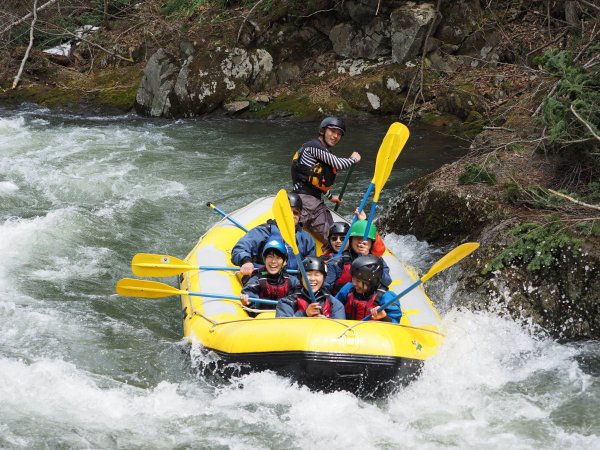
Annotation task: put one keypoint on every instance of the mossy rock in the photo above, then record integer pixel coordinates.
(437, 214)
(386, 86)
(473, 124)
(298, 106)
(306, 104)
(110, 90)
(436, 119)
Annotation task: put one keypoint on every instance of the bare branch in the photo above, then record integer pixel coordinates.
(590, 4)
(246, 19)
(116, 55)
(18, 77)
(588, 126)
(24, 18)
(571, 199)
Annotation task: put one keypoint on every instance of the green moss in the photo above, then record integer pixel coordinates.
(474, 124)
(440, 120)
(295, 106)
(517, 148)
(114, 89)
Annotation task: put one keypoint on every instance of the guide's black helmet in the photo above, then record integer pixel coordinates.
(333, 122)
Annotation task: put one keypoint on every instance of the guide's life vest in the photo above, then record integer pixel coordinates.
(319, 175)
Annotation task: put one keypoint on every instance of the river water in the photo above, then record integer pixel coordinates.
(82, 368)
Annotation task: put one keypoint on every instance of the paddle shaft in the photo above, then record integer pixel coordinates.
(401, 294)
(177, 269)
(344, 186)
(370, 220)
(360, 208)
(131, 287)
(448, 260)
(232, 297)
(237, 224)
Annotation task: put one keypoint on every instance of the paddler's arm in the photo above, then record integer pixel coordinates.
(285, 307)
(392, 313)
(333, 272)
(338, 311)
(246, 249)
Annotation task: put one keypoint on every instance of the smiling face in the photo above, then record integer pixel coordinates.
(336, 241)
(273, 262)
(360, 286)
(332, 136)
(315, 279)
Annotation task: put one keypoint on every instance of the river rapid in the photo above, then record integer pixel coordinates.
(82, 368)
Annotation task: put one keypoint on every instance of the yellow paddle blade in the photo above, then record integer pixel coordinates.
(451, 258)
(390, 149)
(130, 287)
(285, 219)
(153, 265)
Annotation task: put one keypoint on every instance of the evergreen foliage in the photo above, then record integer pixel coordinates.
(578, 88)
(537, 246)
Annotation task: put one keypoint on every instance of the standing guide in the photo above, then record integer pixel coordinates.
(314, 168)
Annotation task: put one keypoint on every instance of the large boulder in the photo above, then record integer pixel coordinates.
(202, 82)
(153, 97)
(409, 26)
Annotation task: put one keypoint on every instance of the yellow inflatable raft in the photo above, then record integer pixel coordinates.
(370, 357)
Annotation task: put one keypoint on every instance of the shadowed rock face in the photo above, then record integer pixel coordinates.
(562, 296)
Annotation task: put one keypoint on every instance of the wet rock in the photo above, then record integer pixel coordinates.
(562, 295)
(153, 96)
(434, 213)
(236, 107)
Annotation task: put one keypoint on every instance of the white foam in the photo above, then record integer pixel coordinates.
(8, 187)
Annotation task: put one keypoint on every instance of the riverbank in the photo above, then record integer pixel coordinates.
(472, 70)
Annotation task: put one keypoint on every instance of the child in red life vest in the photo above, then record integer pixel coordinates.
(270, 282)
(300, 304)
(365, 293)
